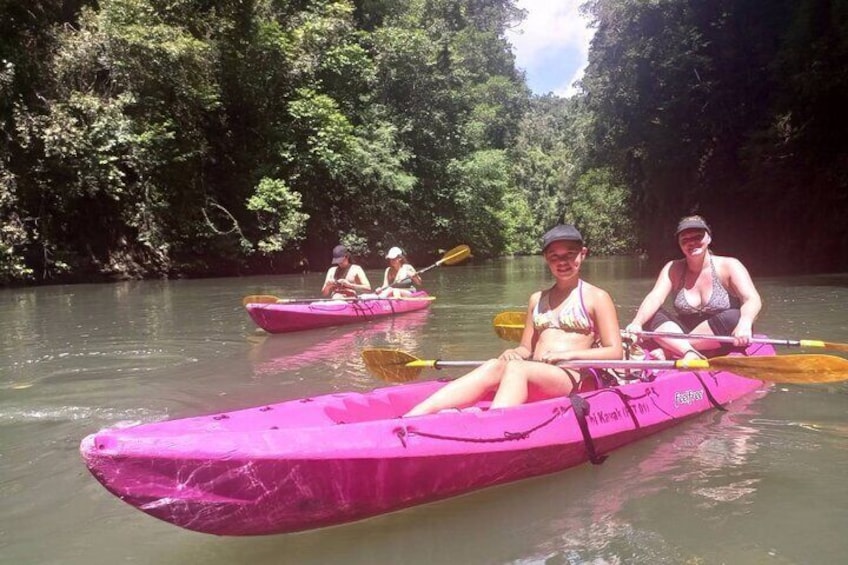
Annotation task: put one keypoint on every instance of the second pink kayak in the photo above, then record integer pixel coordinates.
(296, 316)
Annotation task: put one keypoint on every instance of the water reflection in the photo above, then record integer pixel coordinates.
(703, 467)
(338, 348)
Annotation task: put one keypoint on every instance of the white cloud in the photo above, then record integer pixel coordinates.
(552, 28)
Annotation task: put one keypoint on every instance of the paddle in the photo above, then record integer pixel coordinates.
(271, 299)
(397, 366)
(510, 326)
(451, 257)
(770, 341)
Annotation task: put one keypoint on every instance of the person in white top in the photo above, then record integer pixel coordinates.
(399, 273)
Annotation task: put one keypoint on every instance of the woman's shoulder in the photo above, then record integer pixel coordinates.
(535, 297)
(728, 265)
(672, 271)
(591, 290)
(675, 265)
(723, 261)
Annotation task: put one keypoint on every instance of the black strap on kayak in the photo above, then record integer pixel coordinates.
(405, 431)
(581, 408)
(709, 394)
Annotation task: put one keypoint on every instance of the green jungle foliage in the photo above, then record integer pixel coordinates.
(185, 137)
(729, 108)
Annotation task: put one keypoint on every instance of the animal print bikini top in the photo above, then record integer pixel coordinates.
(720, 300)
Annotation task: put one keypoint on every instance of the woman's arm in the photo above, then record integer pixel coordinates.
(653, 300)
(329, 281)
(407, 271)
(413, 274)
(385, 284)
(362, 283)
(609, 330)
(751, 303)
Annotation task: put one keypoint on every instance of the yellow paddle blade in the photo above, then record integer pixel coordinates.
(455, 255)
(791, 369)
(259, 299)
(392, 365)
(828, 345)
(509, 325)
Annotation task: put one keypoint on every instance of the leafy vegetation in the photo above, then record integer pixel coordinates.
(731, 109)
(151, 138)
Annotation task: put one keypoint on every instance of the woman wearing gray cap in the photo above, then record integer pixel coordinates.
(569, 321)
(713, 295)
(345, 279)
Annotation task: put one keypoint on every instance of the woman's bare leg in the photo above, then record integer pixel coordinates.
(678, 347)
(519, 376)
(464, 391)
(704, 344)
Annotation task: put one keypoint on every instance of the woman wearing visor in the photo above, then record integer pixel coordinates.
(712, 294)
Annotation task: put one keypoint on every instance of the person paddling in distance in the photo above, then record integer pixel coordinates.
(713, 295)
(398, 272)
(345, 279)
(571, 320)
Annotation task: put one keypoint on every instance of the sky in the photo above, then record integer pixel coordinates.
(551, 45)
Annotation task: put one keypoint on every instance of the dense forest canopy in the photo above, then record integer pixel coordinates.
(188, 137)
(733, 109)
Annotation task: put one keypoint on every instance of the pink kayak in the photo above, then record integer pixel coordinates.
(336, 458)
(296, 316)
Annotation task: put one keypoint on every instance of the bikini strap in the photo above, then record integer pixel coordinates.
(543, 296)
(714, 272)
(583, 306)
(682, 281)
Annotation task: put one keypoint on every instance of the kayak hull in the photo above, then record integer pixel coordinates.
(292, 317)
(337, 458)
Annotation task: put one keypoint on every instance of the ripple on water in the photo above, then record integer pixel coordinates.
(99, 415)
(103, 362)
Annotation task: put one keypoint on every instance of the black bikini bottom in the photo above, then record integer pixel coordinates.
(722, 323)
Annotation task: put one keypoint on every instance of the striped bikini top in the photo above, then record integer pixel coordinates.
(720, 300)
(571, 317)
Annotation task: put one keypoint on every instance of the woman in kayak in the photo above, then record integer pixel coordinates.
(572, 320)
(399, 273)
(345, 279)
(713, 295)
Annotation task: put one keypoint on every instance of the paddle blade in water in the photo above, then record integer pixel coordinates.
(835, 346)
(792, 369)
(259, 299)
(509, 325)
(391, 364)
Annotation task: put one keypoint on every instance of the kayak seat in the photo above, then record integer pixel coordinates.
(596, 379)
